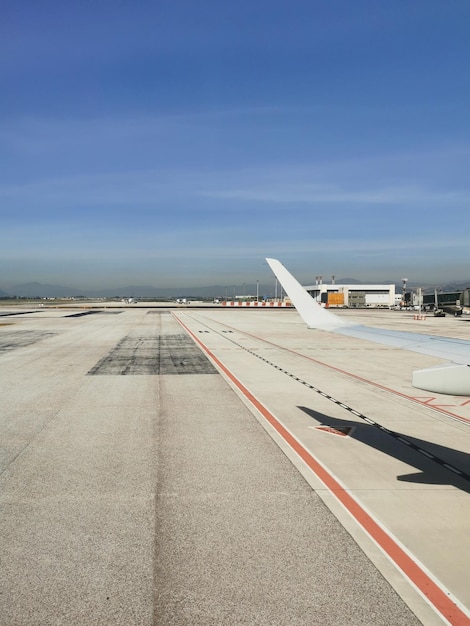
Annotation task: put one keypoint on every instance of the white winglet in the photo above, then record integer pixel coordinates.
(310, 311)
(453, 379)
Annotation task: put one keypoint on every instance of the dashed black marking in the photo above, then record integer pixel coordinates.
(398, 437)
(12, 340)
(152, 355)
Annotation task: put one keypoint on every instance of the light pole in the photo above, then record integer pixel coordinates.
(257, 291)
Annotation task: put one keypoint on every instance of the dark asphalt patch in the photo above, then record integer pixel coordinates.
(154, 355)
(20, 313)
(20, 339)
(82, 313)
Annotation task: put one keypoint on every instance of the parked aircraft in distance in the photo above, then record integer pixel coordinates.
(450, 378)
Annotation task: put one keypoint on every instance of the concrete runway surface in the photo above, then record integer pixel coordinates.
(217, 466)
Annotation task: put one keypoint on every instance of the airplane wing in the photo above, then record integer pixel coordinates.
(450, 378)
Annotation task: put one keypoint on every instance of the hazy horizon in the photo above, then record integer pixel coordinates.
(216, 290)
(180, 143)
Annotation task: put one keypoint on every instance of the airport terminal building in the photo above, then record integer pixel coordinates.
(353, 296)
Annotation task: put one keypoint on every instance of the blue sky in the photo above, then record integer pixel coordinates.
(179, 142)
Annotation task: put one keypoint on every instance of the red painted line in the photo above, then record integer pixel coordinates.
(434, 594)
(333, 431)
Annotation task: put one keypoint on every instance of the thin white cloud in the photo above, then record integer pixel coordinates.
(150, 186)
(38, 134)
(313, 194)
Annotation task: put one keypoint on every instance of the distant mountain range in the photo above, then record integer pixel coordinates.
(39, 290)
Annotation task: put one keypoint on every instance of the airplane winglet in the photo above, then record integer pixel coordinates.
(310, 311)
(453, 378)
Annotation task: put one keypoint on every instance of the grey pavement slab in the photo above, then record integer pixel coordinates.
(241, 537)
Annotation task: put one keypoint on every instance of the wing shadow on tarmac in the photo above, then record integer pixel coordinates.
(432, 470)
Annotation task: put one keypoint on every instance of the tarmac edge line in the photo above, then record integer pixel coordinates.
(436, 596)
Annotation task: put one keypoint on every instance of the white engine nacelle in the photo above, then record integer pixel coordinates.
(452, 379)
